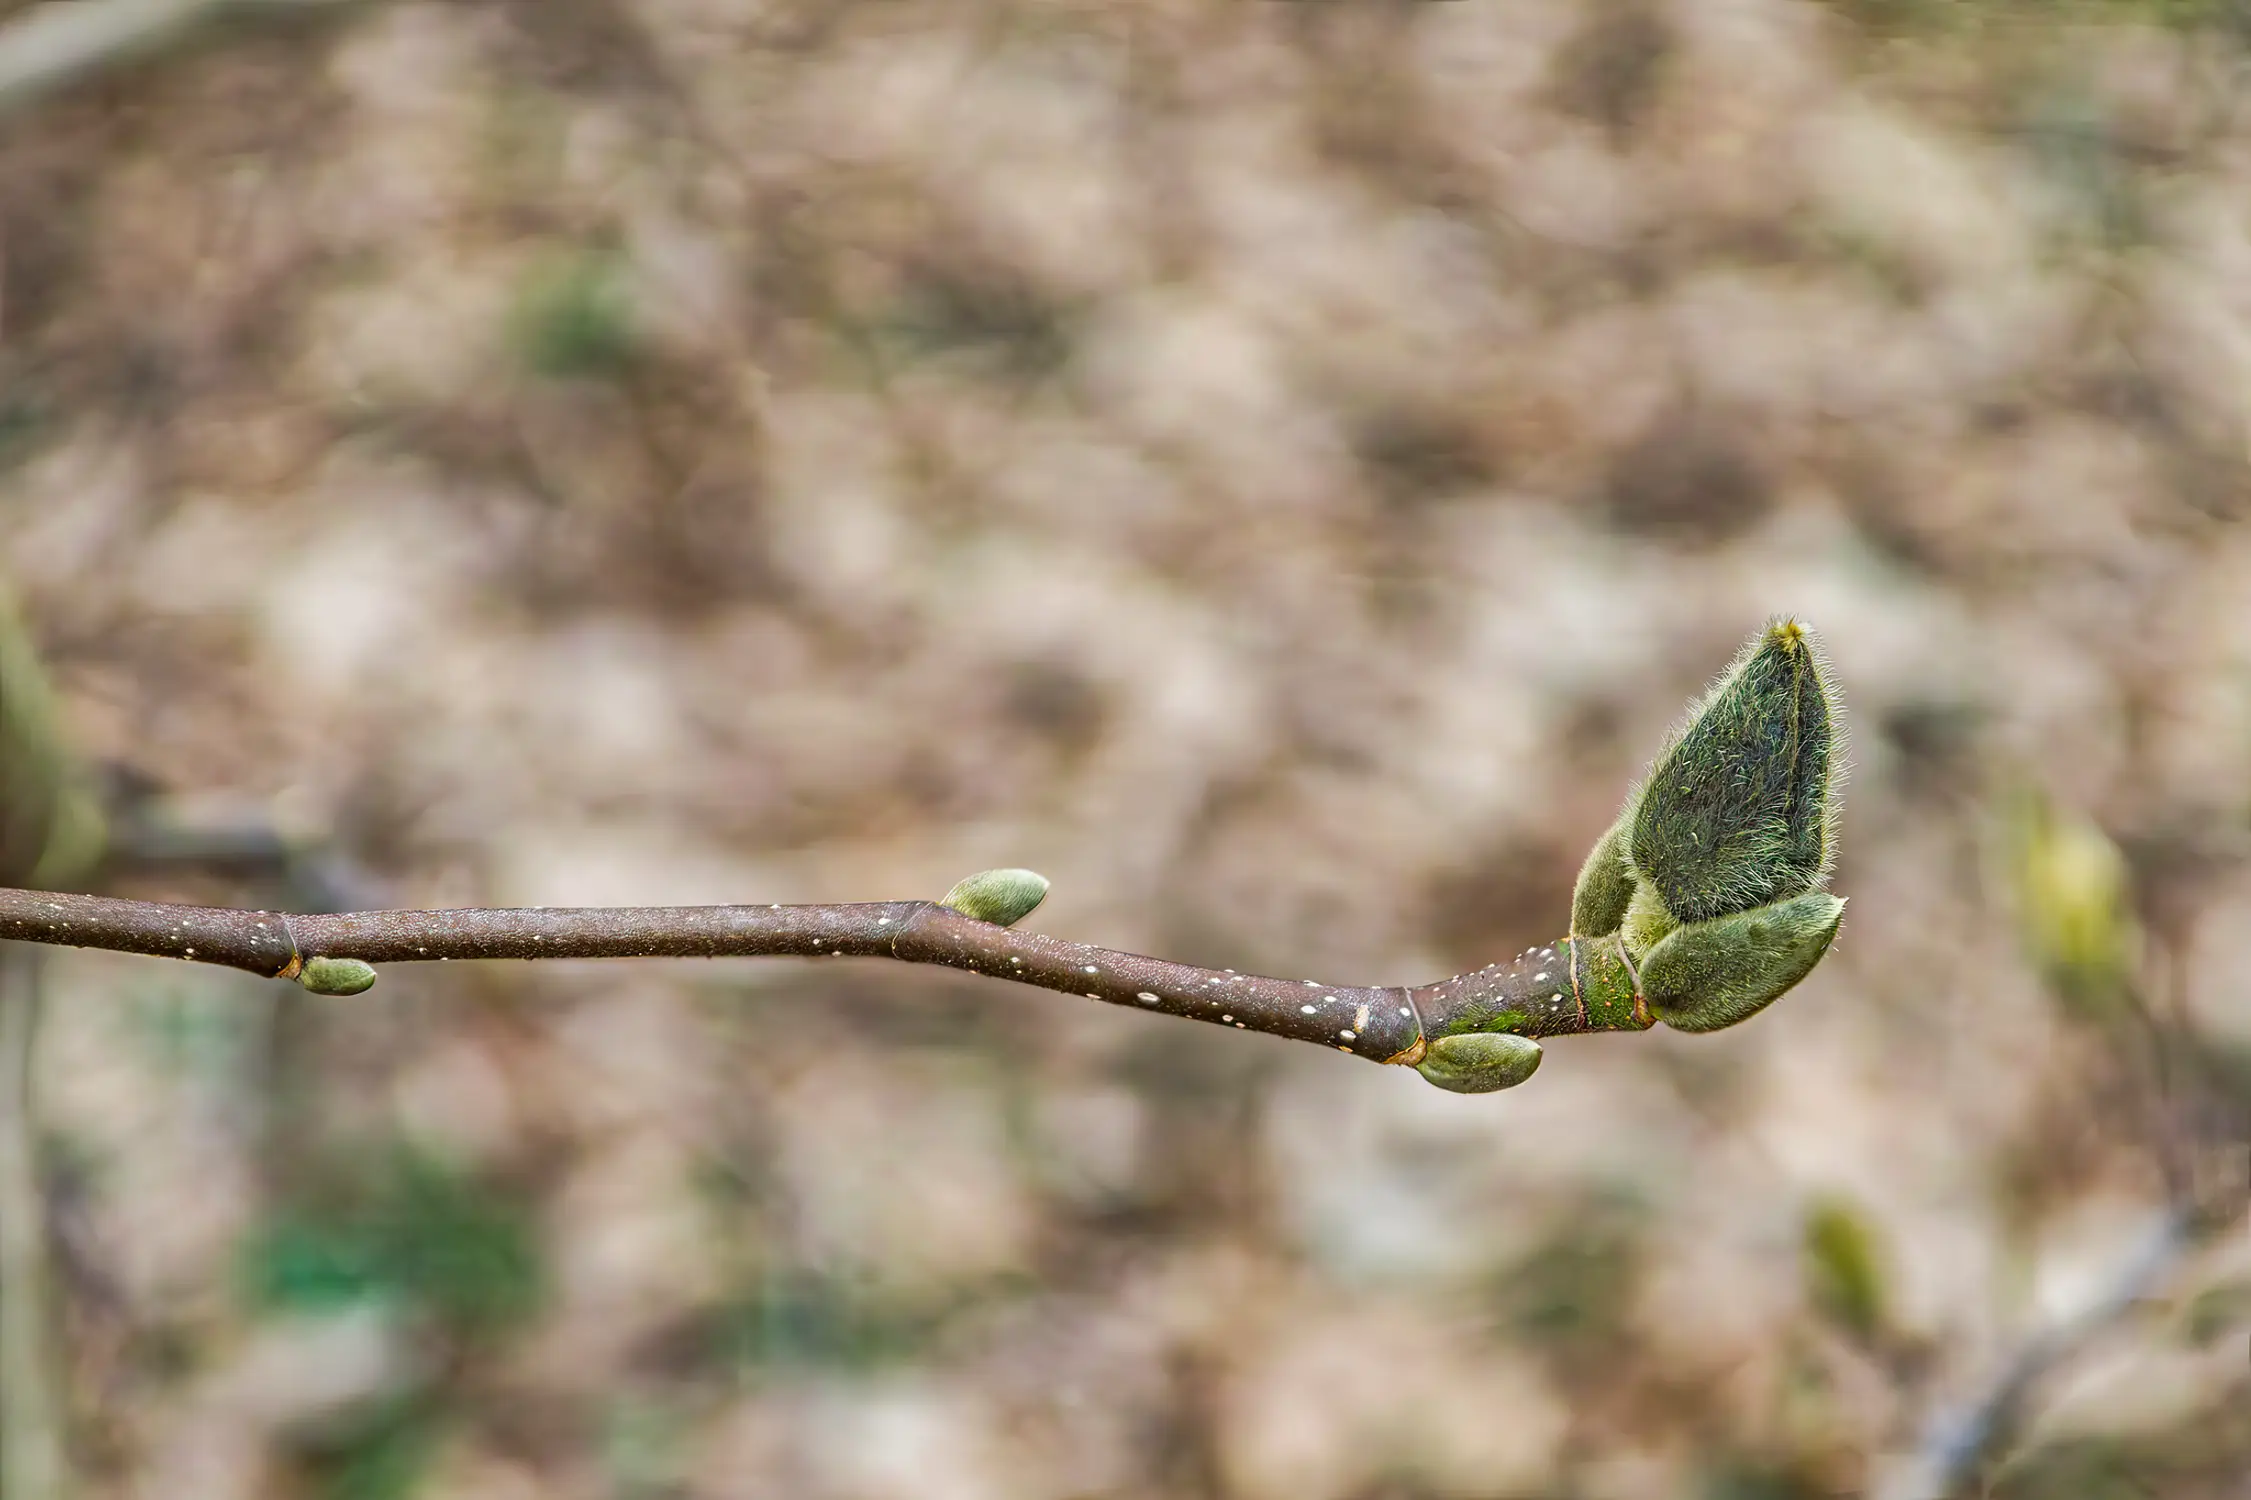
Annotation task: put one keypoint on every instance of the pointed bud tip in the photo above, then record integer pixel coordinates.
(1740, 809)
(1001, 897)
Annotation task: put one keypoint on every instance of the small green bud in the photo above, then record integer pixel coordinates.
(1606, 887)
(337, 976)
(1740, 810)
(1001, 897)
(2075, 902)
(1480, 1062)
(1706, 975)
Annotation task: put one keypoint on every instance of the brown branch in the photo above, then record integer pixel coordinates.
(1562, 989)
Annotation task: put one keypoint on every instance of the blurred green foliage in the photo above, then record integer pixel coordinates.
(2217, 1311)
(23, 423)
(2074, 906)
(403, 1226)
(1844, 1269)
(1572, 1291)
(1753, 1479)
(382, 1456)
(1943, 17)
(572, 319)
(998, 320)
(840, 1318)
(2203, 1457)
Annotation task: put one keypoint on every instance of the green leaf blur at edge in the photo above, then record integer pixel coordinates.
(382, 1457)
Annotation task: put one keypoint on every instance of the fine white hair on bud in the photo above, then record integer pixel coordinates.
(1001, 897)
(1712, 876)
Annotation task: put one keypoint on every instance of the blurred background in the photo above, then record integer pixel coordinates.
(1276, 468)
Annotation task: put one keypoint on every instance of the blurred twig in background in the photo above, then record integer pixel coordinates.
(1953, 1452)
(2075, 908)
(52, 46)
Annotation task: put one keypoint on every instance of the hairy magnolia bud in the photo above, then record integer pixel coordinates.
(1712, 875)
(1740, 809)
(1001, 897)
(1706, 975)
(1480, 1062)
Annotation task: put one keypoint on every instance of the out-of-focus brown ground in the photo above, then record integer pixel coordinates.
(1275, 468)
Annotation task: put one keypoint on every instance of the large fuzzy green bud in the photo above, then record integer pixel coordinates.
(1711, 878)
(1739, 809)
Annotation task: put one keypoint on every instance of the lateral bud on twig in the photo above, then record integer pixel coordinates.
(1711, 879)
(337, 976)
(1001, 897)
(1480, 1062)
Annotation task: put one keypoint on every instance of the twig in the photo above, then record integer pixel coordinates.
(52, 46)
(31, 1448)
(1565, 988)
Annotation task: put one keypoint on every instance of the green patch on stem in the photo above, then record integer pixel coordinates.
(1473, 1020)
